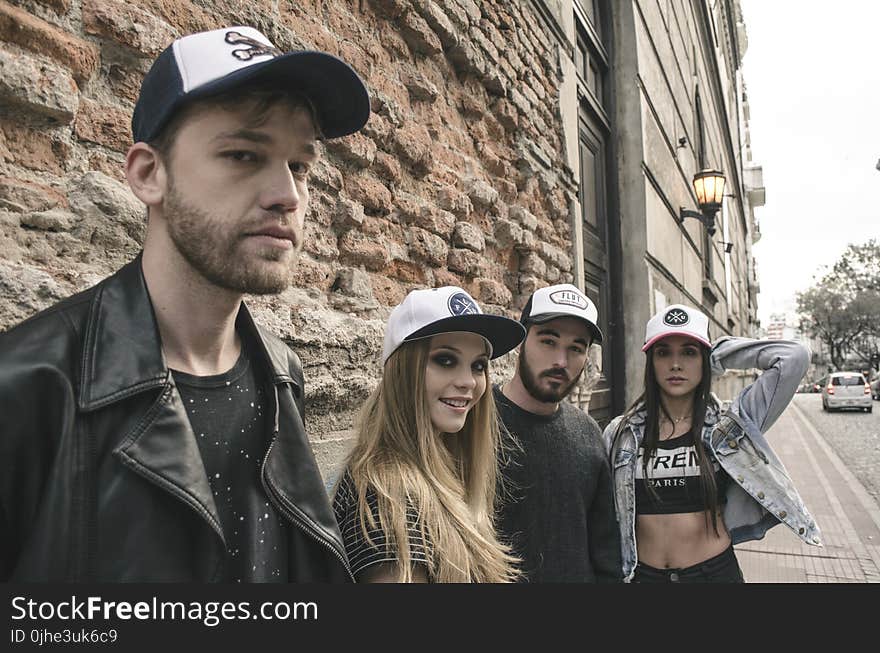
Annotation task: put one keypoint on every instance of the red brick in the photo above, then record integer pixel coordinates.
(326, 176)
(387, 291)
(357, 58)
(407, 272)
(32, 149)
(103, 124)
(506, 113)
(24, 29)
(370, 192)
(390, 9)
(387, 167)
(127, 24)
(187, 17)
(37, 84)
(467, 262)
(357, 149)
(124, 82)
(469, 236)
(110, 167)
(319, 241)
(495, 164)
(348, 213)
(507, 190)
(454, 201)
(427, 247)
(308, 273)
(418, 34)
(360, 249)
(446, 278)
(414, 144)
(435, 220)
(493, 292)
(379, 129)
(420, 88)
(61, 7)
(31, 196)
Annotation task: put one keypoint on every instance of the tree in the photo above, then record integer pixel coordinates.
(843, 308)
(859, 266)
(825, 314)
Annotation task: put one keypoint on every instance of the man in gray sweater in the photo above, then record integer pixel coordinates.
(557, 506)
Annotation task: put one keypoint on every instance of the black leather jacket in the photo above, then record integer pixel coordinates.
(101, 478)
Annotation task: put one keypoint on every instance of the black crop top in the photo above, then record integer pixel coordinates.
(674, 475)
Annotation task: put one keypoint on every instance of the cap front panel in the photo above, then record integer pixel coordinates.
(677, 320)
(208, 56)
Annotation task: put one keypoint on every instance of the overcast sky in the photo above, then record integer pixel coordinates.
(812, 71)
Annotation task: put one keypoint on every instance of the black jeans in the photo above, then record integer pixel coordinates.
(723, 568)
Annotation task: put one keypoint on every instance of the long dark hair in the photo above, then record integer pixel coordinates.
(650, 401)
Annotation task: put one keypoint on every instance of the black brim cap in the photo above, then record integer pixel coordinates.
(208, 63)
(431, 311)
(502, 334)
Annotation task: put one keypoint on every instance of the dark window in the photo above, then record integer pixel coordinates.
(699, 132)
(847, 380)
(590, 156)
(593, 140)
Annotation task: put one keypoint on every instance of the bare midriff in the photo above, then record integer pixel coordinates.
(679, 540)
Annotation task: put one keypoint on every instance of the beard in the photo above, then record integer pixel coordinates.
(211, 247)
(530, 380)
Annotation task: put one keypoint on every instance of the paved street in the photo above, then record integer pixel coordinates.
(854, 436)
(834, 459)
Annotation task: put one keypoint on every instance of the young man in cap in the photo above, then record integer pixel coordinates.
(150, 431)
(557, 506)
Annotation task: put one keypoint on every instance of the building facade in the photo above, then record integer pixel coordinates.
(512, 144)
(652, 94)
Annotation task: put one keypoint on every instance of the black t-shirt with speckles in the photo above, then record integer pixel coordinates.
(227, 413)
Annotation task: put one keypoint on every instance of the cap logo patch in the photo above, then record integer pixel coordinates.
(675, 317)
(569, 298)
(254, 49)
(461, 304)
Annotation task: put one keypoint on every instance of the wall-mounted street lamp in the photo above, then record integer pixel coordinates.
(709, 188)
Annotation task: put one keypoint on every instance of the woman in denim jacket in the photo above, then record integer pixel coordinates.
(691, 481)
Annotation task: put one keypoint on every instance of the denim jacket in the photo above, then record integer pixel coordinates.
(761, 495)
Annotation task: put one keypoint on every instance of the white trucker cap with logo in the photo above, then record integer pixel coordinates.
(426, 313)
(677, 320)
(561, 300)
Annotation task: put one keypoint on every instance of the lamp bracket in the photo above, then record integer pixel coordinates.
(707, 219)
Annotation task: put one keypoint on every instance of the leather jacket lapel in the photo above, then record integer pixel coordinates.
(121, 328)
(163, 449)
(291, 475)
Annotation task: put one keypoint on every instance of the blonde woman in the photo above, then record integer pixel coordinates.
(416, 501)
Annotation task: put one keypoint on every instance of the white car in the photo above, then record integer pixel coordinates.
(846, 390)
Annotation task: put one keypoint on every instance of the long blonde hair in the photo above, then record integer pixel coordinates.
(447, 480)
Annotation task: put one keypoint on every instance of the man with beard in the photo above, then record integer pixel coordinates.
(557, 504)
(149, 429)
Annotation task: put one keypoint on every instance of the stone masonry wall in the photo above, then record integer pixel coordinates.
(458, 178)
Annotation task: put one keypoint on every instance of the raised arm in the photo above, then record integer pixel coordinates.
(783, 364)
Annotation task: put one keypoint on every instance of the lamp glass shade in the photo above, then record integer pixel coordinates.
(709, 187)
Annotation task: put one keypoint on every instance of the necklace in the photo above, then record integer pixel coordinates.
(678, 420)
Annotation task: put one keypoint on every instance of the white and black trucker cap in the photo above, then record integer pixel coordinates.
(426, 313)
(677, 320)
(561, 300)
(207, 63)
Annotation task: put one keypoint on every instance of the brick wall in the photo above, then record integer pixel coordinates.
(458, 178)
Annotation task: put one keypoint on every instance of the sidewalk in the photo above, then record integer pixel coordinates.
(847, 515)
